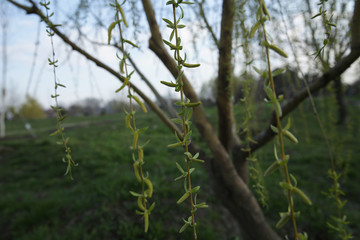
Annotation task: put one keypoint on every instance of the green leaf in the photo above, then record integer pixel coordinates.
(264, 8)
(284, 218)
(278, 71)
(290, 136)
(139, 102)
(169, 84)
(54, 133)
(194, 104)
(269, 92)
(131, 43)
(277, 107)
(278, 50)
(172, 35)
(275, 165)
(168, 21)
(60, 85)
(288, 124)
(177, 120)
(122, 15)
(146, 219)
(126, 81)
(303, 236)
(139, 213)
(151, 207)
(263, 74)
(201, 205)
(188, 154)
(136, 137)
(303, 196)
(183, 197)
(254, 29)
(110, 28)
(150, 186)
(179, 167)
(178, 144)
(189, 65)
(195, 189)
(286, 186)
(274, 129)
(184, 227)
(315, 16)
(179, 77)
(135, 194)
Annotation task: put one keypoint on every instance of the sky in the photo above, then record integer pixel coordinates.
(81, 78)
(84, 79)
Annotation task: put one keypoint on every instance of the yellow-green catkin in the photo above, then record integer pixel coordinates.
(185, 114)
(328, 25)
(59, 112)
(290, 183)
(255, 172)
(147, 188)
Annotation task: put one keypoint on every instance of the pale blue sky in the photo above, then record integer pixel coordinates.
(84, 79)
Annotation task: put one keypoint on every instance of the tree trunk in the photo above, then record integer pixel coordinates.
(340, 101)
(223, 98)
(243, 206)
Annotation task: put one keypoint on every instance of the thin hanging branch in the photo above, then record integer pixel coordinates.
(205, 19)
(266, 135)
(35, 10)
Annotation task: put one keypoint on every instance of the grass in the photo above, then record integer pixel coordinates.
(38, 202)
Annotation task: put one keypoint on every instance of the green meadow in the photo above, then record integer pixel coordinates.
(38, 202)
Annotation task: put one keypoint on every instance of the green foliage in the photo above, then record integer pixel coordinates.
(38, 202)
(185, 114)
(289, 185)
(147, 187)
(327, 24)
(31, 109)
(59, 113)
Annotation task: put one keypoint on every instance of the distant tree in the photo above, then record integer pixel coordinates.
(31, 109)
(91, 106)
(114, 106)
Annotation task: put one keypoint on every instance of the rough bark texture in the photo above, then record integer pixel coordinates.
(228, 186)
(266, 135)
(223, 98)
(340, 101)
(355, 26)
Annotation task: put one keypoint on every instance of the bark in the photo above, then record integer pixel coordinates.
(340, 101)
(223, 98)
(355, 26)
(33, 9)
(334, 72)
(205, 19)
(228, 186)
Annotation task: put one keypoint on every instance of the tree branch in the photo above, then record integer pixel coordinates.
(157, 46)
(35, 10)
(223, 98)
(208, 27)
(355, 26)
(265, 136)
(163, 103)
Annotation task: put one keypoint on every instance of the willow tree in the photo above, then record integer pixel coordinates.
(226, 163)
